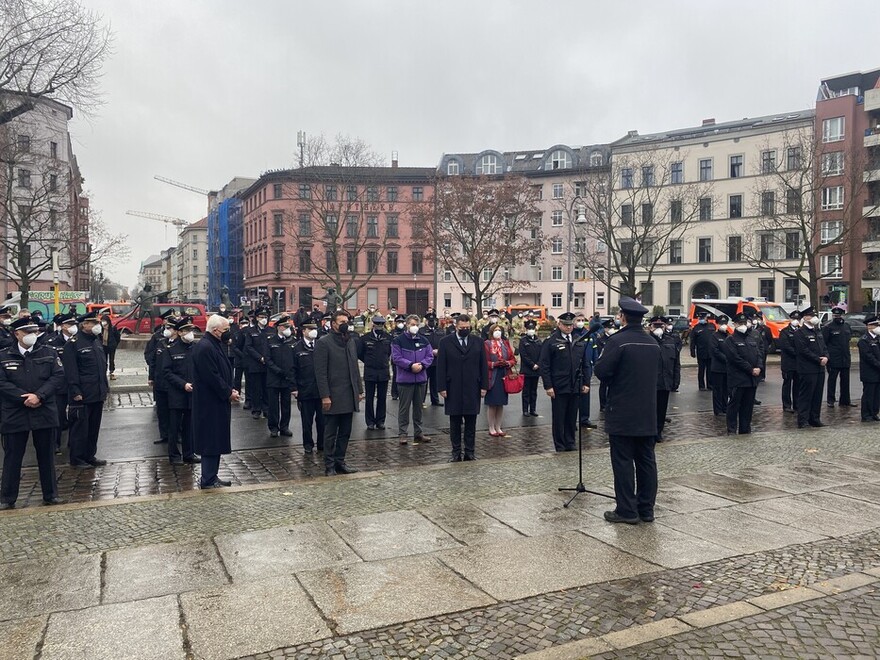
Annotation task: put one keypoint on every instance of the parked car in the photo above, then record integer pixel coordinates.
(856, 322)
(126, 324)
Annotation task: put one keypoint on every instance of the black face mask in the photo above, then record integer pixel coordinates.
(343, 329)
(838, 319)
(225, 336)
(464, 332)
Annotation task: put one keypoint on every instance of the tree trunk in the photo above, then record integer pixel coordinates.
(25, 293)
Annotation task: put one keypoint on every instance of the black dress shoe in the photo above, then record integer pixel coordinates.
(380, 427)
(831, 404)
(454, 459)
(53, 501)
(817, 425)
(287, 433)
(801, 426)
(97, 462)
(850, 405)
(436, 403)
(175, 461)
(876, 418)
(4, 506)
(330, 473)
(273, 434)
(255, 415)
(345, 468)
(649, 518)
(246, 406)
(222, 482)
(308, 451)
(371, 427)
(80, 466)
(192, 459)
(214, 484)
(469, 457)
(589, 425)
(757, 403)
(612, 517)
(160, 441)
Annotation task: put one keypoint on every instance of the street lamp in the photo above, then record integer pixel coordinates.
(581, 219)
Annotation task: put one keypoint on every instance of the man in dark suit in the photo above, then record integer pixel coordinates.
(280, 354)
(812, 356)
(255, 349)
(462, 381)
(700, 347)
(176, 369)
(788, 362)
(374, 350)
(308, 400)
(742, 357)
(630, 363)
(869, 369)
(837, 336)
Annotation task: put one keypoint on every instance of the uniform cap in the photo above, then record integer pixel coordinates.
(632, 307)
(838, 310)
(5, 310)
(261, 311)
(88, 316)
(58, 318)
(530, 325)
(872, 320)
(399, 318)
(378, 319)
(795, 315)
(309, 326)
(284, 318)
(183, 323)
(24, 324)
(809, 311)
(567, 318)
(166, 314)
(657, 320)
(494, 312)
(723, 319)
(742, 317)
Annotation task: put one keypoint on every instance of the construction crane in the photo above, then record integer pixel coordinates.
(180, 223)
(178, 184)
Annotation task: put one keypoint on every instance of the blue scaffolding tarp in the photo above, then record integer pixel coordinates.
(225, 259)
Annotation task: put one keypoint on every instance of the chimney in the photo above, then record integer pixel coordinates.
(709, 122)
(394, 160)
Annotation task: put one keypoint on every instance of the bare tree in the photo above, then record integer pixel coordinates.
(481, 229)
(49, 49)
(632, 213)
(786, 235)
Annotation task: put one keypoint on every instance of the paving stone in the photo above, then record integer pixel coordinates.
(20, 637)
(843, 583)
(721, 614)
(468, 524)
(834, 515)
(283, 550)
(392, 534)
(363, 596)
(729, 488)
(680, 499)
(157, 570)
(645, 633)
(524, 567)
(250, 618)
(572, 651)
(783, 598)
(782, 478)
(36, 587)
(534, 515)
(868, 492)
(143, 630)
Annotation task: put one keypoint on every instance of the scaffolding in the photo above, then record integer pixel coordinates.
(225, 259)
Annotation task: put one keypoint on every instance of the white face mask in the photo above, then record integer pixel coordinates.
(188, 337)
(286, 333)
(29, 340)
(496, 334)
(814, 321)
(723, 327)
(413, 329)
(531, 333)
(167, 333)
(611, 331)
(313, 334)
(400, 326)
(97, 330)
(579, 324)
(742, 329)
(657, 332)
(794, 323)
(71, 330)
(262, 322)
(875, 332)
(493, 319)
(7, 322)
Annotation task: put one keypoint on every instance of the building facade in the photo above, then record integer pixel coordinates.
(192, 263)
(225, 237)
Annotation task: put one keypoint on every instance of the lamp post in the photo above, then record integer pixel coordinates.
(581, 218)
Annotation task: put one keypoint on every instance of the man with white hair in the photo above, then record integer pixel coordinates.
(212, 396)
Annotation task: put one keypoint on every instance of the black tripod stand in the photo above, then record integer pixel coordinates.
(580, 488)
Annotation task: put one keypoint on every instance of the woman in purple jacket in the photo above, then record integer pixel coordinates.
(411, 354)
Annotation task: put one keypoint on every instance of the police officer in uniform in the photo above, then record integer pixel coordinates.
(529, 351)
(374, 350)
(430, 332)
(67, 329)
(562, 370)
(679, 344)
(7, 339)
(630, 363)
(239, 359)
(85, 367)
(869, 370)
(788, 362)
(582, 332)
(255, 349)
(280, 378)
(812, 356)
(30, 377)
(837, 336)
(718, 367)
(398, 329)
(600, 337)
(701, 347)
(666, 374)
(155, 346)
(175, 368)
(308, 399)
(743, 358)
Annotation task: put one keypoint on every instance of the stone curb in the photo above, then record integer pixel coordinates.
(712, 616)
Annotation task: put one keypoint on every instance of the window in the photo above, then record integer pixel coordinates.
(447, 275)
(830, 230)
(600, 299)
(705, 208)
(24, 178)
(560, 160)
(556, 300)
(488, 164)
(793, 202)
(305, 260)
(487, 275)
(647, 214)
(704, 250)
(557, 191)
(447, 300)
(580, 245)
(626, 177)
(626, 215)
(538, 191)
(601, 247)
(831, 266)
(276, 191)
(675, 211)
(351, 261)
(768, 161)
(305, 224)
(833, 129)
(372, 261)
(647, 289)
(332, 224)
(279, 261)
(533, 233)
(391, 193)
(391, 261)
(556, 245)
(768, 203)
(832, 198)
(736, 206)
(791, 289)
(792, 245)
(53, 219)
(418, 194)
(580, 272)
(626, 252)
(768, 247)
(417, 263)
(734, 288)
(418, 227)
(452, 168)
(305, 191)
(195, 254)
(391, 225)
(332, 263)
(278, 223)
(351, 226)
(832, 163)
(596, 159)
(647, 175)
(330, 193)
(767, 289)
(675, 293)
(351, 193)
(647, 257)
(53, 183)
(793, 158)
(372, 194)
(556, 218)
(736, 167)
(53, 150)
(24, 143)
(556, 273)
(675, 251)
(372, 226)
(705, 169)
(580, 188)
(676, 172)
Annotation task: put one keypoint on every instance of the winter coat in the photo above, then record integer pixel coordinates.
(337, 373)
(212, 387)
(462, 373)
(408, 349)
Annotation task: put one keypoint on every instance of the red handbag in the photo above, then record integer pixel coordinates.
(514, 382)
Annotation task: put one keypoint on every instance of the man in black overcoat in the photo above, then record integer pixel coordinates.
(374, 350)
(529, 351)
(308, 399)
(176, 369)
(68, 328)
(280, 377)
(212, 399)
(666, 375)
(630, 363)
(812, 356)
(869, 370)
(462, 381)
(788, 362)
(255, 363)
(742, 355)
(837, 336)
(700, 347)
(718, 367)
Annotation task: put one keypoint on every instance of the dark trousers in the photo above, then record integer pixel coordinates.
(870, 400)
(809, 400)
(14, 445)
(279, 409)
(210, 468)
(310, 413)
(432, 385)
(843, 374)
(565, 419)
(256, 386)
(702, 372)
(85, 424)
(237, 374)
(789, 390)
(584, 408)
(61, 402)
(719, 392)
(394, 393)
(529, 394)
(603, 395)
(375, 401)
(662, 406)
(111, 358)
(470, 435)
(161, 399)
(635, 474)
(180, 429)
(739, 409)
(337, 431)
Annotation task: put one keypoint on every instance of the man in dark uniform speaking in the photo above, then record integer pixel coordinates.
(630, 364)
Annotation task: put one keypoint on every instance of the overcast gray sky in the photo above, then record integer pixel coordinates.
(204, 90)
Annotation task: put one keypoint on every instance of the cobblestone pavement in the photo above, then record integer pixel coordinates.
(510, 629)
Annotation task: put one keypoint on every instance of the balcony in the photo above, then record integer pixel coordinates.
(872, 139)
(872, 175)
(871, 278)
(872, 100)
(871, 210)
(871, 241)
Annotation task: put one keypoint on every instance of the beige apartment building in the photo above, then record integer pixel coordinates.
(192, 263)
(721, 181)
